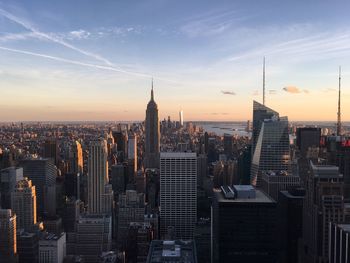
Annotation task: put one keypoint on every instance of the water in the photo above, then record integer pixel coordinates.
(220, 128)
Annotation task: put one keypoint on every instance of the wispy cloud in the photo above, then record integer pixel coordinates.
(79, 34)
(52, 37)
(294, 90)
(227, 92)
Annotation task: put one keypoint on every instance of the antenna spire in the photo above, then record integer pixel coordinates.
(152, 96)
(264, 81)
(339, 108)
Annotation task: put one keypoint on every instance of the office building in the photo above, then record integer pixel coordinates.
(50, 150)
(8, 238)
(228, 145)
(76, 162)
(42, 173)
(272, 152)
(152, 139)
(323, 203)
(274, 182)
(27, 247)
(23, 204)
(290, 225)
(132, 154)
(178, 194)
(130, 208)
(8, 180)
(118, 179)
(175, 251)
(93, 236)
(181, 118)
(52, 248)
(244, 222)
(308, 137)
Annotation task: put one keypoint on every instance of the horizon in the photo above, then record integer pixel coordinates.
(95, 61)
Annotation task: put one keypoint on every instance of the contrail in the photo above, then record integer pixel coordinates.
(52, 38)
(74, 62)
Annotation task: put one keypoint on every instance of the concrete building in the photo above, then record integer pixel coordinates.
(244, 224)
(52, 248)
(175, 251)
(23, 204)
(178, 193)
(8, 238)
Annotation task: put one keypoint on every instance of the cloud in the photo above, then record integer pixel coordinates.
(219, 113)
(272, 92)
(51, 37)
(227, 92)
(292, 89)
(79, 34)
(295, 90)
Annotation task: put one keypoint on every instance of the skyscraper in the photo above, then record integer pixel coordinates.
(8, 180)
(99, 194)
(152, 141)
(42, 173)
(308, 137)
(8, 239)
(181, 118)
(50, 150)
(132, 154)
(76, 158)
(23, 204)
(272, 152)
(178, 193)
(260, 113)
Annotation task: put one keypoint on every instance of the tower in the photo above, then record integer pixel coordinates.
(181, 118)
(339, 111)
(23, 204)
(178, 193)
(152, 134)
(99, 193)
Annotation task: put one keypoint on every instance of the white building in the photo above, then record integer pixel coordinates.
(178, 194)
(52, 248)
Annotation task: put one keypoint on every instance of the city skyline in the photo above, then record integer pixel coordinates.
(94, 62)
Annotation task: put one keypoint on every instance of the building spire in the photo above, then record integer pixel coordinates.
(264, 81)
(339, 108)
(152, 95)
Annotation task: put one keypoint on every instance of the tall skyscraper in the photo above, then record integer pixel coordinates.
(272, 152)
(181, 118)
(8, 239)
(99, 194)
(76, 161)
(260, 113)
(50, 150)
(132, 154)
(52, 248)
(178, 193)
(152, 140)
(308, 137)
(42, 173)
(23, 204)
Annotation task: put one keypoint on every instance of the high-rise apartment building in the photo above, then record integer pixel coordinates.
(272, 151)
(100, 195)
(8, 238)
(178, 194)
(23, 204)
(152, 140)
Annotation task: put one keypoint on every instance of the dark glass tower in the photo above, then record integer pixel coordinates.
(152, 134)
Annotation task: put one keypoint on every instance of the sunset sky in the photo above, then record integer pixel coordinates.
(94, 60)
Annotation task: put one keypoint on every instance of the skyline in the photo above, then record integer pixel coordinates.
(87, 62)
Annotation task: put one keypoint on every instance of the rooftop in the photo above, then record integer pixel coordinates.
(260, 197)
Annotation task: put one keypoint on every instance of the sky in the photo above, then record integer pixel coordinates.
(95, 60)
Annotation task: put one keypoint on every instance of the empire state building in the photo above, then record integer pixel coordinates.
(152, 134)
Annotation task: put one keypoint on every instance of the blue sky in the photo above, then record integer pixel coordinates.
(94, 60)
